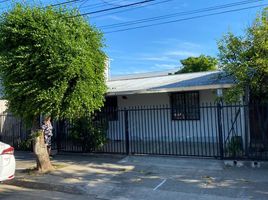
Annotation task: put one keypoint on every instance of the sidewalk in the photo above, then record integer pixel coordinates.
(144, 177)
(73, 172)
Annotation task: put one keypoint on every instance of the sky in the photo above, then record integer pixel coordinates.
(161, 47)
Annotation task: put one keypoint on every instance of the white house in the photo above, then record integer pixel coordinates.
(173, 112)
(170, 114)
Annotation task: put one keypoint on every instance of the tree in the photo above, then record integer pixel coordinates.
(246, 59)
(51, 64)
(198, 64)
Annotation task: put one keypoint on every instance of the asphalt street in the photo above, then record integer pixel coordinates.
(8, 192)
(107, 177)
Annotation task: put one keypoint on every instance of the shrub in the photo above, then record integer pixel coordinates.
(88, 132)
(235, 146)
(25, 145)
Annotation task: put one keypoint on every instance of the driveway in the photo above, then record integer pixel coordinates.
(148, 177)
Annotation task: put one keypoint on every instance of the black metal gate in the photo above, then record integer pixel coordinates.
(221, 131)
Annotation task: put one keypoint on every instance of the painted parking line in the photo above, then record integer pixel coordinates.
(160, 184)
(124, 160)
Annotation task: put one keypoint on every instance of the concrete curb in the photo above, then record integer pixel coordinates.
(248, 164)
(47, 186)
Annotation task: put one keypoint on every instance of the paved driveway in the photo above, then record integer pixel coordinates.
(147, 177)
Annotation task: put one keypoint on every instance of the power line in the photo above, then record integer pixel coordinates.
(113, 8)
(82, 3)
(57, 4)
(110, 3)
(99, 11)
(178, 14)
(98, 5)
(103, 10)
(186, 19)
(62, 3)
(130, 9)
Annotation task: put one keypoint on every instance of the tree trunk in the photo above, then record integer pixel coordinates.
(40, 149)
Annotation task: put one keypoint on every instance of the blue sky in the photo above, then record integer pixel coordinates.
(161, 48)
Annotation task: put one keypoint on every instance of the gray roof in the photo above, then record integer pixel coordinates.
(169, 83)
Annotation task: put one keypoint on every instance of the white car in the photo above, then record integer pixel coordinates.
(7, 162)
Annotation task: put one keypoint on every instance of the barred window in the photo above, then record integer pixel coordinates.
(110, 108)
(185, 106)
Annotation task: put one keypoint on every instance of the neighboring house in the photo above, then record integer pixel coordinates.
(173, 108)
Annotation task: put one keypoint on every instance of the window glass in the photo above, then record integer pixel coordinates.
(185, 106)
(110, 108)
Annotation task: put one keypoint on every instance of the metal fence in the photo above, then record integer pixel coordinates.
(13, 131)
(221, 131)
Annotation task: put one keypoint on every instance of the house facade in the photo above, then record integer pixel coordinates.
(174, 112)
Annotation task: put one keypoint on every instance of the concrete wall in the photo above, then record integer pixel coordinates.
(3, 117)
(10, 126)
(149, 124)
(3, 106)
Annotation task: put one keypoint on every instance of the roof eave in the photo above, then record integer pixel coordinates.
(165, 90)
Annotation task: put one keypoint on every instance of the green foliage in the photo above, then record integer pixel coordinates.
(89, 133)
(198, 64)
(245, 58)
(51, 63)
(36, 134)
(232, 95)
(235, 146)
(25, 145)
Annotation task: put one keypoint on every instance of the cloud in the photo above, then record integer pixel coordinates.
(158, 58)
(130, 71)
(165, 66)
(144, 58)
(176, 43)
(111, 17)
(167, 41)
(181, 53)
(165, 55)
(157, 68)
(188, 45)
